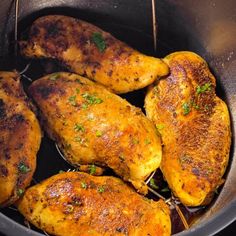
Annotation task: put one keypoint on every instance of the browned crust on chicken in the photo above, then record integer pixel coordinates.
(87, 50)
(20, 137)
(74, 203)
(94, 126)
(195, 128)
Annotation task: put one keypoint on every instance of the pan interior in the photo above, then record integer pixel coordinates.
(49, 161)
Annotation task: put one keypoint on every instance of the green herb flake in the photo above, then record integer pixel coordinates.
(78, 139)
(78, 81)
(186, 109)
(92, 99)
(65, 123)
(216, 191)
(83, 185)
(54, 76)
(160, 126)
(147, 199)
(99, 133)
(147, 141)
(79, 127)
(101, 189)
(77, 90)
(68, 146)
(153, 184)
(166, 189)
(72, 100)
(195, 106)
(156, 91)
(99, 41)
(204, 88)
(23, 168)
(84, 106)
(92, 169)
(61, 171)
(135, 141)
(20, 191)
(121, 157)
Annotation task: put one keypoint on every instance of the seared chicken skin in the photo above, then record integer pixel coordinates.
(195, 128)
(87, 50)
(94, 126)
(20, 137)
(76, 203)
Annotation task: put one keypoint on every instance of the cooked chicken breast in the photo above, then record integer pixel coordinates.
(87, 50)
(75, 203)
(20, 137)
(94, 126)
(195, 128)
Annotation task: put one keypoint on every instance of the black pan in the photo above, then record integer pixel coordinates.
(206, 27)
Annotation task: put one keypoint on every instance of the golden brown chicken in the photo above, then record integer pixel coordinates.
(94, 126)
(20, 137)
(91, 52)
(75, 204)
(195, 128)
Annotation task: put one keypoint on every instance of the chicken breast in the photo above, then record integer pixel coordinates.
(94, 126)
(75, 203)
(195, 128)
(20, 137)
(87, 50)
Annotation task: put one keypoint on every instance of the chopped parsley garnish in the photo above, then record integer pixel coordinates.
(54, 76)
(92, 99)
(78, 139)
(156, 91)
(147, 141)
(20, 191)
(99, 41)
(204, 88)
(195, 106)
(121, 157)
(99, 133)
(77, 90)
(186, 109)
(68, 146)
(216, 191)
(83, 185)
(101, 189)
(72, 100)
(78, 81)
(79, 127)
(135, 141)
(82, 141)
(160, 126)
(92, 169)
(23, 168)
(84, 106)
(166, 189)
(65, 123)
(153, 184)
